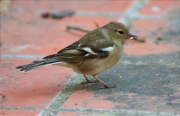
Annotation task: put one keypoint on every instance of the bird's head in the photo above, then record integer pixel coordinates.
(119, 32)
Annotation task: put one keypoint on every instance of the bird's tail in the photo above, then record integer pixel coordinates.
(37, 64)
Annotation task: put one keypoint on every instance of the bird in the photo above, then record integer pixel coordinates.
(95, 52)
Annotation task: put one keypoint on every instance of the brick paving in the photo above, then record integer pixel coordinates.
(147, 78)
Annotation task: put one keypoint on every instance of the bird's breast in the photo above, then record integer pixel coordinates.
(98, 65)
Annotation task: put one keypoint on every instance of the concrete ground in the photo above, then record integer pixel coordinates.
(147, 78)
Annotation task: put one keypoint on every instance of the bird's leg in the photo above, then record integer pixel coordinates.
(105, 85)
(87, 80)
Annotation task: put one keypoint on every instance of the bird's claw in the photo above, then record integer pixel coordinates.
(83, 83)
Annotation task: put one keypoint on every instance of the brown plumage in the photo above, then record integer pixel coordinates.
(94, 53)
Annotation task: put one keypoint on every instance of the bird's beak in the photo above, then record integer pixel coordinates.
(131, 36)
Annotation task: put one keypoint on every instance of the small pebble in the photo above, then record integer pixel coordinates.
(45, 15)
(159, 38)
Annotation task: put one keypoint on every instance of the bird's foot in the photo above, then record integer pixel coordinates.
(83, 83)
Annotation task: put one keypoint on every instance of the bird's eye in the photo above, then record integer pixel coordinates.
(121, 32)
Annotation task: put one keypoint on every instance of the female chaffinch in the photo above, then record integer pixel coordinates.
(94, 53)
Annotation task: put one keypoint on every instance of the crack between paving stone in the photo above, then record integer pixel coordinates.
(131, 14)
(20, 56)
(63, 96)
(99, 14)
(19, 108)
(131, 112)
(158, 17)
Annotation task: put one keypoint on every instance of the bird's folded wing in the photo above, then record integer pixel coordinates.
(79, 50)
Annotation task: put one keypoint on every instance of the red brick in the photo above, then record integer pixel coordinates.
(78, 5)
(19, 112)
(84, 99)
(163, 7)
(149, 48)
(36, 88)
(144, 29)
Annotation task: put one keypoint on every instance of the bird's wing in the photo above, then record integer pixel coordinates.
(80, 50)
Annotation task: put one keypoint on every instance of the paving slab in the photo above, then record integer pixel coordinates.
(36, 88)
(157, 7)
(106, 6)
(161, 36)
(19, 112)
